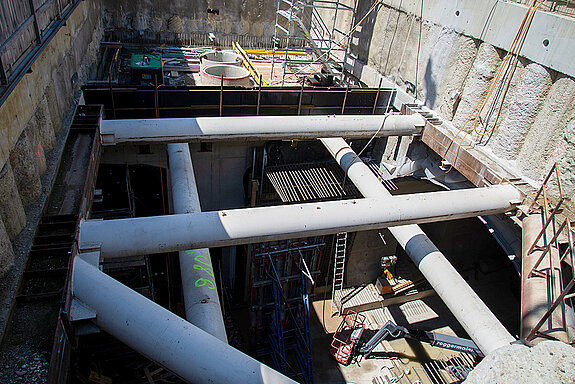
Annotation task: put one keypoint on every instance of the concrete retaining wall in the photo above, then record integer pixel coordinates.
(37, 109)
(156, 20)
(454, 65)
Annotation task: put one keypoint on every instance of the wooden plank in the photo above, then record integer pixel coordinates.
(46, 14)
(148, 376)
(182, 68)
(17, 47)
(12, 15)
(363, 300)
(407, 298)
(363, 307)
(476, 167)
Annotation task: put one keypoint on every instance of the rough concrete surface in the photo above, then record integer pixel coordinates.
(36, 100)
(498, 104)
(151, 18)
(37, 148)
(461, 56)
(545, 139)
(42, 123)
(390, 44)
(363, 260)
(25, 170)
(534, 127)
(524, 106)
(565, 155)
(6, 252)
(11, 209)
(52, 102)
(62, 89)
(546, 363)
(482, 72)
(36, 107)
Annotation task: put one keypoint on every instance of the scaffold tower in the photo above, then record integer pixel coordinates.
(326, 37)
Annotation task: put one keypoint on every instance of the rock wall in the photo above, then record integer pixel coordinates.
(450, 71)
(153, 20)
(35, 111)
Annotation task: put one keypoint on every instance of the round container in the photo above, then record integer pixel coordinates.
(234, 76)
(211, 58)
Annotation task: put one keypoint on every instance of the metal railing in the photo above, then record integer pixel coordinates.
(549, 215)
(26, 27)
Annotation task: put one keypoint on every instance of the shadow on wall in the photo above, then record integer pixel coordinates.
(360, 41)
(430, 86)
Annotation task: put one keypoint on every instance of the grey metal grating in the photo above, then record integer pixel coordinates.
(383, 175)
(310, 182)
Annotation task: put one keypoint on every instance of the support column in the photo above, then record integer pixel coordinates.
(201, 297)
(160, 335)
(25, 171)
(6, 252)
(471, 312)
(11, 209)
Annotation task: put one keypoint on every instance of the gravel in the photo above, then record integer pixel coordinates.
(23, 365)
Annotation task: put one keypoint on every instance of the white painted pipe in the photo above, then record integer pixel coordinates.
(148, 235)
(201, 297)
(257, 128)
(163, 337)
(471, 312)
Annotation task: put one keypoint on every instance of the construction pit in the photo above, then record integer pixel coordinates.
(302, 191)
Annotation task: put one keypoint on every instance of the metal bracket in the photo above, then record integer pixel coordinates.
(80, 311)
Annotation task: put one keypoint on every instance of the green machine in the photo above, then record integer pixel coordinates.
(146, 69)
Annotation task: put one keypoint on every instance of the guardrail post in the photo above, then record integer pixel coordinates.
(3, 77)
(36, 27)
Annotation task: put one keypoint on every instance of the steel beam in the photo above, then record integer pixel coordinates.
(201, 297)
(471, 312)
(172, 342)
(257, 128)
(148, 235)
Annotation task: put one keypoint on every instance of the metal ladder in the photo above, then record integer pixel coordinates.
(338, 272)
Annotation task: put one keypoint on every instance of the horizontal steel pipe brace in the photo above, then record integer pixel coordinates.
(471, 312)
(172, 342)
(148, 235)
(254, 128)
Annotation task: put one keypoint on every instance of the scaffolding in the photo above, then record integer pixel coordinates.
(298, 20)
(556, 237)
(282, 275)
